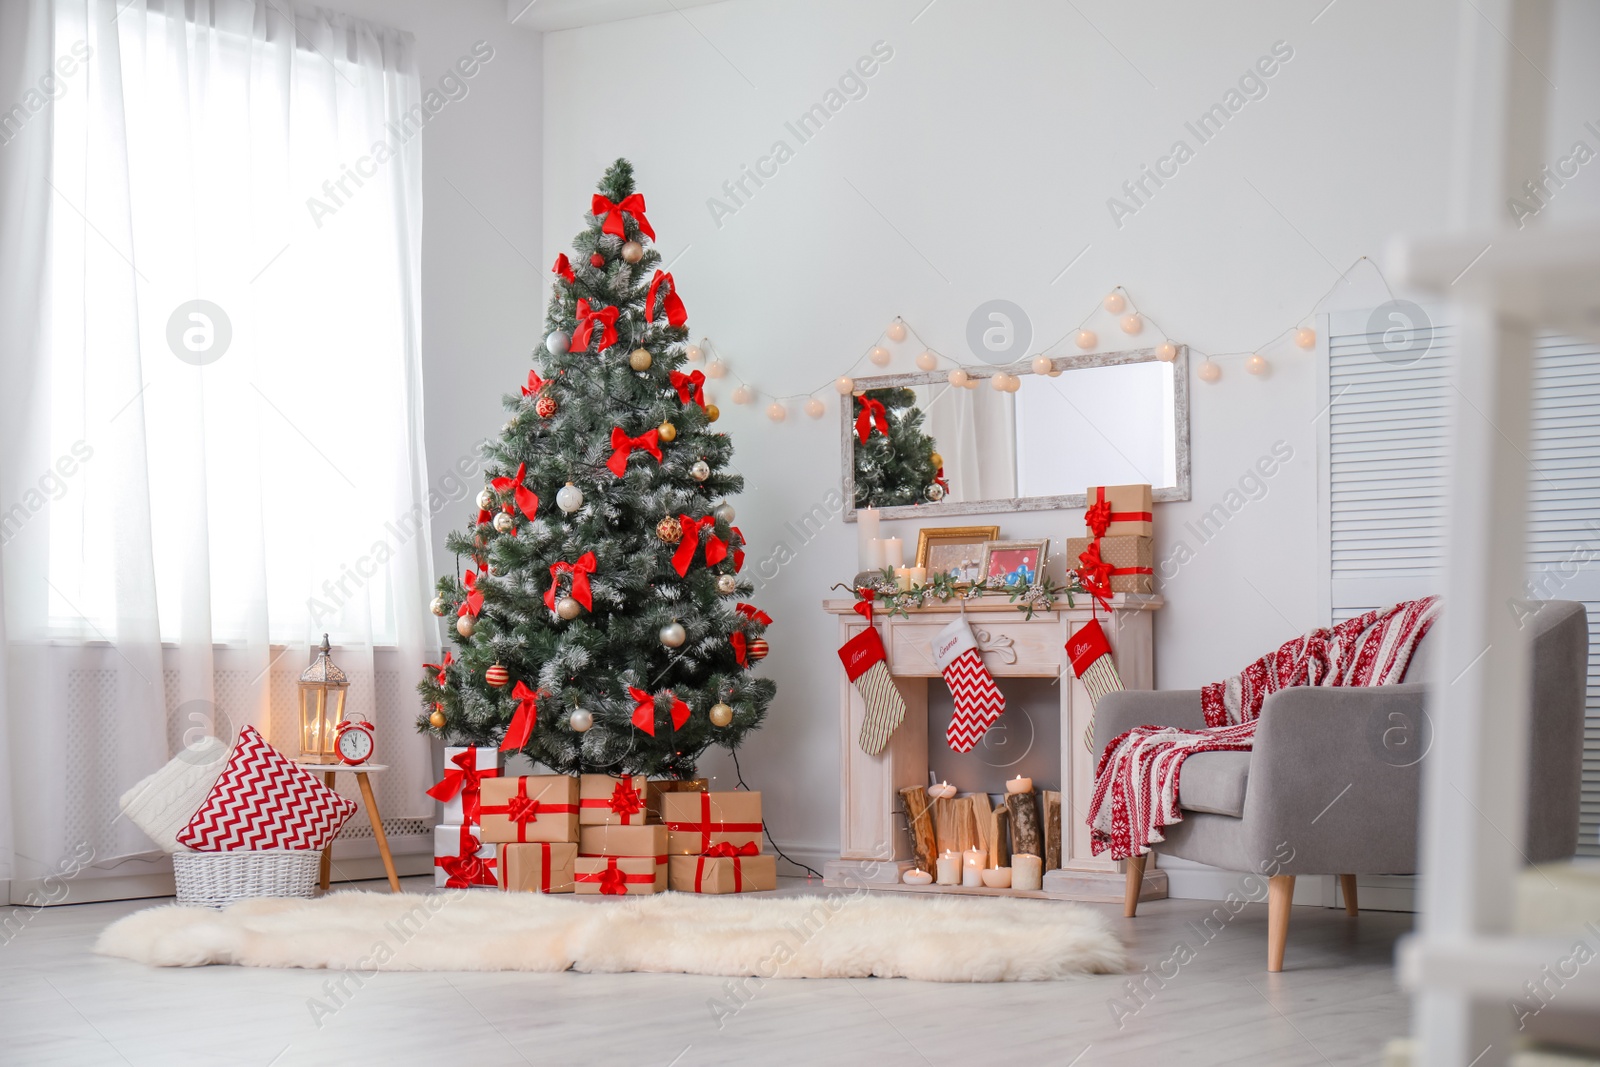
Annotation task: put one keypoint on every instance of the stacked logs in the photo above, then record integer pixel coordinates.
(1026, 822)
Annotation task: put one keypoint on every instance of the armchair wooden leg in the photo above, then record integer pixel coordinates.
(1130, 895)
(1347, 886)
(1280, 894)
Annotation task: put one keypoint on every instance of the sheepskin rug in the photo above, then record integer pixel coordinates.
(854, 935)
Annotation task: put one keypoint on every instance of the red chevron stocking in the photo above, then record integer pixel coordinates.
(978, 700)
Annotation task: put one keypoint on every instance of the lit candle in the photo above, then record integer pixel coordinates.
(1020, 784)
(866, 533)
(874, 555)
(997, 877)
(894, 551)
(916, 877)
(942, 791)
(902, 578)
(1027, 871)
(919, 575)
(949, 868)
(972, 862)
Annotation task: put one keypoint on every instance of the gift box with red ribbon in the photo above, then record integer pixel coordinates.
(615, 876)
(459, 790)
(1119, 511)
(607, 801)
(655, 788)
(531, 807)
(697, 821)
(724, 869)
(1121, 564)
(538, 867)
(461, 860)
(634, 842)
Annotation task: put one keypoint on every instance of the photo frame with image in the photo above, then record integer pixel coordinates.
(955, 551)
(1014, 564)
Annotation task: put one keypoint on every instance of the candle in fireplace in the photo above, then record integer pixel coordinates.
(1027, 871)
(972, 864)
(949, 868)
(942, 791)
(916, 877)
(1019, 784)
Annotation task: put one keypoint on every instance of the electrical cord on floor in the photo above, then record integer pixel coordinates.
(781, 854)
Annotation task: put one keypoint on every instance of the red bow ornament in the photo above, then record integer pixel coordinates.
(625, 799)
(872, 414)
(738, 549)
(1095, 574)
(580, 572)
(472, 604)
(727, 849)
(564, 268)
(622, 447)
(525, 498)
(644, 712)
(753, 613)
(439, 679)
(464, 778)
(522, 809)
(613, 883)
(690, 387)
(672, 305)
(587, 317)
(716, 547)
(741, 649)
(467, 869)
(863, 606)
(633, 205)
(1098, 518)
(523, 719)
(535, 383)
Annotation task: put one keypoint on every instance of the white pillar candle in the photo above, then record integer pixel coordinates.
(866, 533)
(949, 868)
(972, 862)
(997, 877)
(1019, 784)
(919, 575)
(902, 578)
(874, 555)
(916, 877)
(894, 551)
(1027, 871)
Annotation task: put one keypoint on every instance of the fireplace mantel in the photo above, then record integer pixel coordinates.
(875, 845)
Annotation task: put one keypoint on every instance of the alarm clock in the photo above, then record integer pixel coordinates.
(353, 741)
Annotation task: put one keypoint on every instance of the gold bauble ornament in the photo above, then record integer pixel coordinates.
(568, 608)
(436, 720)
(712, 411)
(632, 251)
(721, 715)
(465, 626)
(639, 359)
(667, 432)
(669, 530)
(438, 607)
(938, 460)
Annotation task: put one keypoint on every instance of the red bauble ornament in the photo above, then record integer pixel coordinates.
(756, 649)
(546, 406)
(597, 261)
(497, 676)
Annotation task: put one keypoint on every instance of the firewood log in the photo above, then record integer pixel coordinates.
(919, 817)
(1052, 829)
(1025, 835)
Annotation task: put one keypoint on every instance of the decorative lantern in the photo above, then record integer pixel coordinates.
(322, 692)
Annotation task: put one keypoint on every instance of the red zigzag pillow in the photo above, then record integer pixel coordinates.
(263, 800)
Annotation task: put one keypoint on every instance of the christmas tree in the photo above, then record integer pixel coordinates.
(599, 621)
(895, 460)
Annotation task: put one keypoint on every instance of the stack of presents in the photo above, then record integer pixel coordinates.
(593, 833)
(1117, 555)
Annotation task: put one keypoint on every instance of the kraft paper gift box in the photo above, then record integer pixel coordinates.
(723, 874)
(607, 801)
(533, 807)
(698, 821)
(1130, 511)
(615, 876)
(538, 866)
(461, 860)
(464, 769)
(657, 787)
(633, 842)
(1130, 559)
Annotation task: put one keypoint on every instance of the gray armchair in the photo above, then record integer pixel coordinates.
(1333, 783)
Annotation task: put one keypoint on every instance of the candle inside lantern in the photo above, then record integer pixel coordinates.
(949, 868)
(1020, 784)
(1027, 871)
(942, 791)
(972, 862)
(916, 877)
(997, 877)
(894, 552)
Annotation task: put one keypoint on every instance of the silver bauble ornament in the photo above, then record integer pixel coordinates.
(569, 498)
(438, 607)
(558, 342)
(724, 512)
(568, 608)
(727, 584)
(465, 626)
(632, 251)
(485, 499)
(934, 493)
(700, 471)
(673, 634)
(503, 522)
(721, 715)
(580, 720)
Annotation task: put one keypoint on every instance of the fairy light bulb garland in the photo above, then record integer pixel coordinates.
(1086, 339)
(1041, 364)
(927, 360)
(777, 412)
(1114, 303)
(1166, 351)
(815, 408)
(896, 331)
(1305, 337)
(1209, 372)
(1132, 324)
(879, 355)
(1257, 364)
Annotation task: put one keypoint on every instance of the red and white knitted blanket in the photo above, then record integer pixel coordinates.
(1136, 782)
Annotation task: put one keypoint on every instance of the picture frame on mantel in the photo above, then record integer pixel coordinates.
(1005, 561)
(954, 550)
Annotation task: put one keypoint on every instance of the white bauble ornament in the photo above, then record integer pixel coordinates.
(1114, 303)
(438, 607)
(727, 584)
(844, 386)
(879, 356)
(503, 522)
(558, 342)
(700, 471)
(632, 251)
(569, 498)
(815, 408)
(486, 500)
(724, 512)
(896, 331)
(1166, 351)
(1041, 364)
(568, 608)
(721, 715)
(580, 721)
(465, 626)
(673, 634)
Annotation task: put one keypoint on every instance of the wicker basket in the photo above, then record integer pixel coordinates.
(217, 879)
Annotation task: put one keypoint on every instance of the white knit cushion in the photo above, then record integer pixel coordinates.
(163, 803)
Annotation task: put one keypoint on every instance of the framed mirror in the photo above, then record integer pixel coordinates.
(916, 446)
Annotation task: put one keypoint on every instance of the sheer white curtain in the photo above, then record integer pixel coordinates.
(976, 431)
(212, 409)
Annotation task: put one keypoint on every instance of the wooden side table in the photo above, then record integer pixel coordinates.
(360, 770)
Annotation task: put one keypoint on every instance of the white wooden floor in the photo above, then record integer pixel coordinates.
(1336, 1003)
